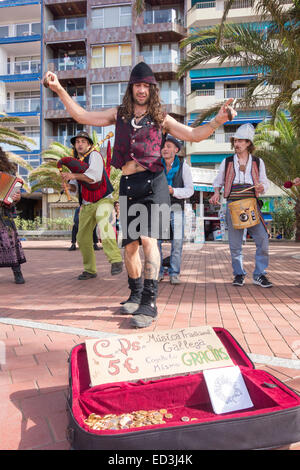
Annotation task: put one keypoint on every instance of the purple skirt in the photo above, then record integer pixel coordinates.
(11, 252)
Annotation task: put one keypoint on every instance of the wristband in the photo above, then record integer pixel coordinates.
(213, 123)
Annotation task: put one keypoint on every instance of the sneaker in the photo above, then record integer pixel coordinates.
(262, 281)
(72, 247)
(116, 268)
(96, 247)
(85, 275)
(161, 277)
(141, 321)
(175, 280)
(239, 280)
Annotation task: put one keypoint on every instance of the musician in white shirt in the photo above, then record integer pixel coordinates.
(244, 176)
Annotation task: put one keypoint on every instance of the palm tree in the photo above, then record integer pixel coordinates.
(47, 174)
(139, 6)
(10, 136)
(279, 146)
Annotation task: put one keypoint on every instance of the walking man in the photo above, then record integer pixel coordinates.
(181, 187)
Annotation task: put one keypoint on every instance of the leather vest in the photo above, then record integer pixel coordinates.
(142, 145)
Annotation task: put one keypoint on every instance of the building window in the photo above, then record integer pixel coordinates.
(4, 31)
(111, 17)
(107, 95)
(114, 55)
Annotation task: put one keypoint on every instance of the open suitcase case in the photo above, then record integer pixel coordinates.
(273, 421)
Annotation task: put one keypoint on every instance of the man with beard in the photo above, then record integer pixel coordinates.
(244, 176)
(96, 206)
(141, 126)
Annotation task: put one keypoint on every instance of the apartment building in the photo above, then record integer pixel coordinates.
(92, 45)
(20, 73)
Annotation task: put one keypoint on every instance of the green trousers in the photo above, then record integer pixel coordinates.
(97, 213)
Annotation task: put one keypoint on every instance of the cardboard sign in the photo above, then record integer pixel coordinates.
(155, 354)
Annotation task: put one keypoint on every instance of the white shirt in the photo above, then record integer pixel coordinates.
(242, 177)
(188, 189)
(94, 172)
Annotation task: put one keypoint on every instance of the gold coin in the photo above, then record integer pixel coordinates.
(163, 411)
(168, 415)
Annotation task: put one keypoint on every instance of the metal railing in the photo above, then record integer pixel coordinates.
(67, 63)
(25, 66)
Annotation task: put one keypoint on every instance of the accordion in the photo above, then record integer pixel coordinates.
(9, 185)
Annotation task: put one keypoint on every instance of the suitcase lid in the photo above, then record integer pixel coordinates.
(234, 349)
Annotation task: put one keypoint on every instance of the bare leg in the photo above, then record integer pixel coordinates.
(132, 260)
(152, 258)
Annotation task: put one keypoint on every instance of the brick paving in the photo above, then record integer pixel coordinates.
(34, 372)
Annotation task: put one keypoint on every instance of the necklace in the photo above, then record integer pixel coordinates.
(133, 123)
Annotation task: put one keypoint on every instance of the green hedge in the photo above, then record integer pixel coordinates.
(61, 223)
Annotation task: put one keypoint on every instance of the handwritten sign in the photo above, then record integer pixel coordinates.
(155, 354)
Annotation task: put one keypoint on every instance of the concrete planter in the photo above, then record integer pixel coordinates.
(45, 234)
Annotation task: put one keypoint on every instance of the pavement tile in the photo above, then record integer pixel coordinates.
(34, 377)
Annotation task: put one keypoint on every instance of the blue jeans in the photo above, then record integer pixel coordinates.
(177, 226)
(261, 239)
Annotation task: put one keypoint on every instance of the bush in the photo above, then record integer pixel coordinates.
(284, 218)
(61, 223)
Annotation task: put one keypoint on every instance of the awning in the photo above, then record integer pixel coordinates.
(200, 187)
(224, 78)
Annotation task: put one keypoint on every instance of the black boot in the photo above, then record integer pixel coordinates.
(147, 310)
(19, 279)
(136, 289)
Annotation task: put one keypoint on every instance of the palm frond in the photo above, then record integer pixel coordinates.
(19, 160)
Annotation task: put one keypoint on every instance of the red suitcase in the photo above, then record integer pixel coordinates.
(274, 420)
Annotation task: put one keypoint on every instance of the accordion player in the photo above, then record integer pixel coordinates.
(9, 185)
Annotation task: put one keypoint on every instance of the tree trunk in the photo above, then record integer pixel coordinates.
(297, 212)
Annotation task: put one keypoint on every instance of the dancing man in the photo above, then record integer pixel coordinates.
(140, 128)
(11, 252)
(237, 173)
(96, 208)
(181, 187)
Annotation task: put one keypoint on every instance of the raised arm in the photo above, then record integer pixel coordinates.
(79, 114)
(196, 134)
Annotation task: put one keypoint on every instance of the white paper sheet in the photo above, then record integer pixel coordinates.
(227, 389)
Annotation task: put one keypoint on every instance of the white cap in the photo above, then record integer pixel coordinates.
(246, 131)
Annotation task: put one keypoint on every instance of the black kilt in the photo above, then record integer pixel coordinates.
(144, 206)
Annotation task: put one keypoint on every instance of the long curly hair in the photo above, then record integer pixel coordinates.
(5, 165)
(155, 109)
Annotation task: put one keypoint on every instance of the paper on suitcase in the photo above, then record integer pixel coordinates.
(155, 354)
(227, 389)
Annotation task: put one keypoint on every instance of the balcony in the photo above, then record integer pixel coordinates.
(211, 12)
(24, 66)
(65, 25)
(217, 143)
(163, 64)
(167, 23)
(24, 105)
(56, 110)
(201, 99)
